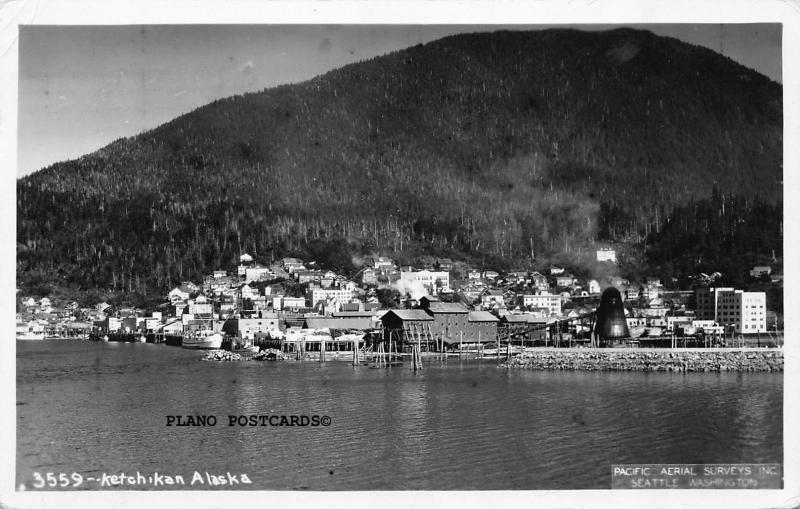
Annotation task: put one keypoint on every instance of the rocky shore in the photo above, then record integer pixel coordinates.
(648, 360)
(269, 354)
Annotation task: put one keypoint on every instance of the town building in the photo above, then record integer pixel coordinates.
(432, 281)
(246, 328)
(179, 293)
(760, 270)
(606, 254)
(322, 295)
(449, 319)
(492, 299)
(550, 302)
(405, 325)
(256, 272)
(540, 282)
(745, 311)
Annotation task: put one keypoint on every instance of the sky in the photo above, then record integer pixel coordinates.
(81, 87)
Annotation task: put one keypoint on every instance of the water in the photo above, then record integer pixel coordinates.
(102, 407)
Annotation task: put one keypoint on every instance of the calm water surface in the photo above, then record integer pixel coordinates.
(101, 407)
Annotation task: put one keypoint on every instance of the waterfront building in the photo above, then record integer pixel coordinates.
(676, 322)
(482, 327)
(246, 328)
(404, 324)
(526, 327)
(449, 318)
(339, 324)
(745, 311)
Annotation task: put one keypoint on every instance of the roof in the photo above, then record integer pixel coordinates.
(526, 318)
(353, 314)
(325, 322)
(446, 307)
(482, 316)
(409, 314)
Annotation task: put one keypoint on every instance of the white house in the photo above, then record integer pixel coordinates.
(179, 293)
(606, 254)
(256, 272)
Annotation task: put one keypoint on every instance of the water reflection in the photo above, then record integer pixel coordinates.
(93, 407)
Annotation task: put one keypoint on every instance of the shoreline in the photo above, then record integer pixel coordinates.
(671, 360)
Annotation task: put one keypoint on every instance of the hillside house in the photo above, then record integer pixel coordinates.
(606, 254)
(179, 293)
(490, 274)
(382, 262)
(444, 264)
(368, 276)
(292, 265)
(760, 270)
(257, 272)
(540, 281)
(248, 292)
(565, 281)
(492, 299)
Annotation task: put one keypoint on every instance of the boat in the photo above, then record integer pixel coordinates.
(202, 339)
(30, 335)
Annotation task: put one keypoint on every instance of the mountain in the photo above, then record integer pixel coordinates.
(487, 146)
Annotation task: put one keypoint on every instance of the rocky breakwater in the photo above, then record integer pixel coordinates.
(648, 360)
(221, 355)
(269, 354)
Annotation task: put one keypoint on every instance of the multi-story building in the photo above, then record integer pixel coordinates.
(317, 295)
(745, 311)
(550, 302)
(431, 280)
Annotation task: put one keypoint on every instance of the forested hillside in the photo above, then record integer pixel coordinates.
(501, 146)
